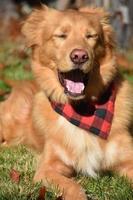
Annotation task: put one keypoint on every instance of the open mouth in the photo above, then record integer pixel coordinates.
(74, 82)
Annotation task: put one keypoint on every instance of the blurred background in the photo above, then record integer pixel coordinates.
(14, 62)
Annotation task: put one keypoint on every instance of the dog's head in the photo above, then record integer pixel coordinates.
(72, 51)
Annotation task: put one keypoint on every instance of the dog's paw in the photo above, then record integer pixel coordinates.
(74, 193)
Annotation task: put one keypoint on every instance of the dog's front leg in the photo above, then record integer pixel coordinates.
(125, 168)
(54, 172)
(120, 150)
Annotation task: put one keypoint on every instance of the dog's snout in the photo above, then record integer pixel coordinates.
(79, 56)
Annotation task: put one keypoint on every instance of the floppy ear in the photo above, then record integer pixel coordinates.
(33, 27)
(104, 18)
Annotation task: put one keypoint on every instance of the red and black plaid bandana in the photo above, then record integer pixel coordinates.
(95, 118)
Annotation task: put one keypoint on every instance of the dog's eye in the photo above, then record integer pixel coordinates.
(62, 36)
(88, 36)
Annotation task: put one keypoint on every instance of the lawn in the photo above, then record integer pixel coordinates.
(17, 167)
(17, 164)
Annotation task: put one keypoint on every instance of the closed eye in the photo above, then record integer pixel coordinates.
(61, 35)
(88, 36)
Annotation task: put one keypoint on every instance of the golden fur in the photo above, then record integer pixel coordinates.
(30, 119)
(16, 121)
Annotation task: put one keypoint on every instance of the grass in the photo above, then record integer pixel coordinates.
(23, 161)
(17, 164)
(19, 161)
(129, 78)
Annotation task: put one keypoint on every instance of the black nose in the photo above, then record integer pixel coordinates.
(79, 56)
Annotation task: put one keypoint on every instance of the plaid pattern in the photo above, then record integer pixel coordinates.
(95, 118)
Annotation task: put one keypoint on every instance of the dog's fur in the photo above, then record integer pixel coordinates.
(27, 115)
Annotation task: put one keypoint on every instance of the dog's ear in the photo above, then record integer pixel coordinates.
(104, 18)
(32, 28)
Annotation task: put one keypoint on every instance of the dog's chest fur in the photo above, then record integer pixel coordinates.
(84, 152)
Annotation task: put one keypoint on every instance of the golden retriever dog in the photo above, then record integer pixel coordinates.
(79, 114)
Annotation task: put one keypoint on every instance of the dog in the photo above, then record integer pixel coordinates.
(79, 112)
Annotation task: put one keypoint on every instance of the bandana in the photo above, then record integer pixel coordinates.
(95, 118)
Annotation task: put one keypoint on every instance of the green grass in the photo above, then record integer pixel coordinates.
(23, 162)
(129, 77)
(10, 54)
(16, 72)
(106, 187)
(15, 62)
(4, 86)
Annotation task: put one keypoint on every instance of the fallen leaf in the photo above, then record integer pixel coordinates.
(15, 176)
(42, 192)
(2, 66)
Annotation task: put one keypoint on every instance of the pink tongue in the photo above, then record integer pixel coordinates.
(74, 87)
